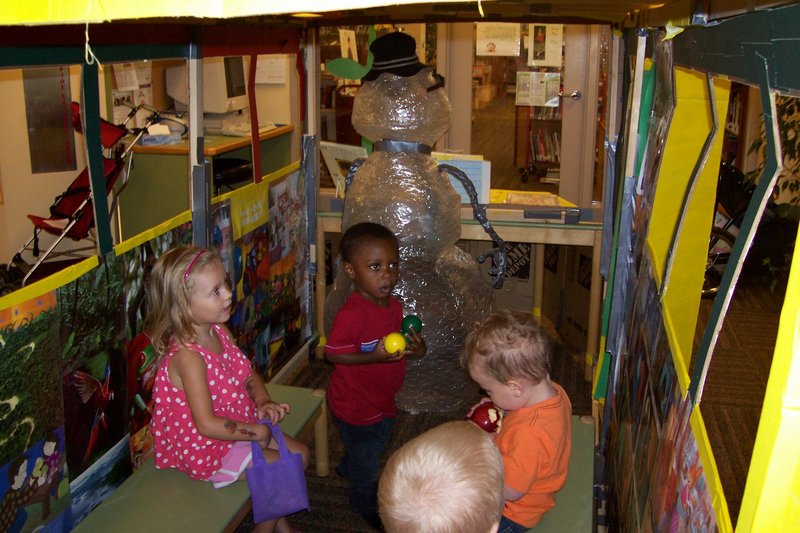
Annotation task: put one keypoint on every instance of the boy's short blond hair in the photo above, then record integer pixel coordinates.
(509, 344)
(447, 480)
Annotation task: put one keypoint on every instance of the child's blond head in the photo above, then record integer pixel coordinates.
(447, 480)
(509, 344)
(169, 290)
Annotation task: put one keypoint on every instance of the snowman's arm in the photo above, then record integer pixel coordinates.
(479, 212)
(351, 172)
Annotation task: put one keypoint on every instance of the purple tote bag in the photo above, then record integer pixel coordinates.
(277, 489)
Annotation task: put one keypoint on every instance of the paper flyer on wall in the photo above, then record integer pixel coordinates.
(538, 89)
(271, 69)
(545, 44)
(497, 39)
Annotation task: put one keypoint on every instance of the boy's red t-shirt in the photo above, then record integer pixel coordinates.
(535, 443)
(364, 394)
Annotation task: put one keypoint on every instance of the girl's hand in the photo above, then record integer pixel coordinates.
(416, 346)
(271, 410)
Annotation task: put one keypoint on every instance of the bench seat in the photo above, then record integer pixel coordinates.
(573, 510)
(169, 501)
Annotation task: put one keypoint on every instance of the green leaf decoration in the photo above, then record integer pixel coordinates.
(344, 67)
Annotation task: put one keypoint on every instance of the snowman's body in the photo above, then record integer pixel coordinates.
(400, 187)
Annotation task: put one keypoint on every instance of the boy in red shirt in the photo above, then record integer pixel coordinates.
(366, 377)
(508, 355)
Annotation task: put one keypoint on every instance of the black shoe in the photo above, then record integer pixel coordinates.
(373, 520)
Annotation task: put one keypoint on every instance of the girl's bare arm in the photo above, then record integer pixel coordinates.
(188, 370)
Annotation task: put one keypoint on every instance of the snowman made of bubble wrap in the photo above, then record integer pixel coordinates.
(403, 109)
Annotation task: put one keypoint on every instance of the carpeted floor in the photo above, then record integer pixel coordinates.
(328, 496)
(737, 379)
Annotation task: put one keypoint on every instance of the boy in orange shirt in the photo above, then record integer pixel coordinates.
(508, 355)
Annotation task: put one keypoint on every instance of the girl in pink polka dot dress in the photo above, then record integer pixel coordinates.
(208, 399)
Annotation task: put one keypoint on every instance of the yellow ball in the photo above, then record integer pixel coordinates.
(394, 342)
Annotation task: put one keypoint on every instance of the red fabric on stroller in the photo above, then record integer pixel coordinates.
(72, 213)
(70, 205)
(110, 134)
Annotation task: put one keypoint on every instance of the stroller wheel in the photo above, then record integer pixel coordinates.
(7, 288)
(10, 273)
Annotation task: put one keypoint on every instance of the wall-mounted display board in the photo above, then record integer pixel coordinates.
(77, 370)
(660, 471)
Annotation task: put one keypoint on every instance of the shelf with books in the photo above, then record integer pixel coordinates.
(538, 143)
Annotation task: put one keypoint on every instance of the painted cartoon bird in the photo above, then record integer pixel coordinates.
(91, 390)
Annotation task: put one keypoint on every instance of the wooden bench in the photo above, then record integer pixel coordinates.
(573, 510)
(169, 501)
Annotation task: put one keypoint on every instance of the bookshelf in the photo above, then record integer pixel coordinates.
(538, 143)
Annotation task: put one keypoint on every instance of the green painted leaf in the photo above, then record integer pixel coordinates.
(344, 67)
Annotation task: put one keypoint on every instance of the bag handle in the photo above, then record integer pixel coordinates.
(277, 434)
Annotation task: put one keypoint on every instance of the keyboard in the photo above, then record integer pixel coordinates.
(240, 130)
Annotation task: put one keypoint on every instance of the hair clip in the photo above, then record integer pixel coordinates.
(191, 264)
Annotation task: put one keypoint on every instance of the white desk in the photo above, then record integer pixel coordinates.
(512, 227)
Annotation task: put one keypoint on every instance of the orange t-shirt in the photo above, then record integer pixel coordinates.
(535, 443)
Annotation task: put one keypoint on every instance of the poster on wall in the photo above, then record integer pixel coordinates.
(545, 45)
(249, 215)
(289, 277)
(497, 39)
(33, 474)
(270, 322)
(93, 381)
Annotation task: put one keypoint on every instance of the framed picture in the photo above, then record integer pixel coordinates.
(338, 158)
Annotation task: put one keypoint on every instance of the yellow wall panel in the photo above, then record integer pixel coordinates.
(772, 495)
(691, 124)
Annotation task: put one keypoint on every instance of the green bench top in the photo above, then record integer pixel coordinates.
(573, 510)
(168, 500)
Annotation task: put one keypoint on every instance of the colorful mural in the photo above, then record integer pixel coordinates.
(77, 369)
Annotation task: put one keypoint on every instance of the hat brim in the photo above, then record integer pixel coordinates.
(403, 72)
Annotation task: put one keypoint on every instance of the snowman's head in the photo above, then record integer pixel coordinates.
(401, 98)
(406, 108)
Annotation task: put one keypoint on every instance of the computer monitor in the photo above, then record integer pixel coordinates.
(224, 85)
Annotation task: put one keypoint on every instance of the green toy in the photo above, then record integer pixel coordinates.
(411, 321)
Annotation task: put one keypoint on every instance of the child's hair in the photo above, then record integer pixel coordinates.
(447, 480)
(356, 235)
(509, 344)
(169, 289)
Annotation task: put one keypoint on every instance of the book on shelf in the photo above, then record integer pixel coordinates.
(545, 146)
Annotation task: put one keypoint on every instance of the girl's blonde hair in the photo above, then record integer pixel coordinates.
(169, 290)
(509, 344)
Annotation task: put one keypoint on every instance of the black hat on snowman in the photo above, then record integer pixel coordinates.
(395, 53)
